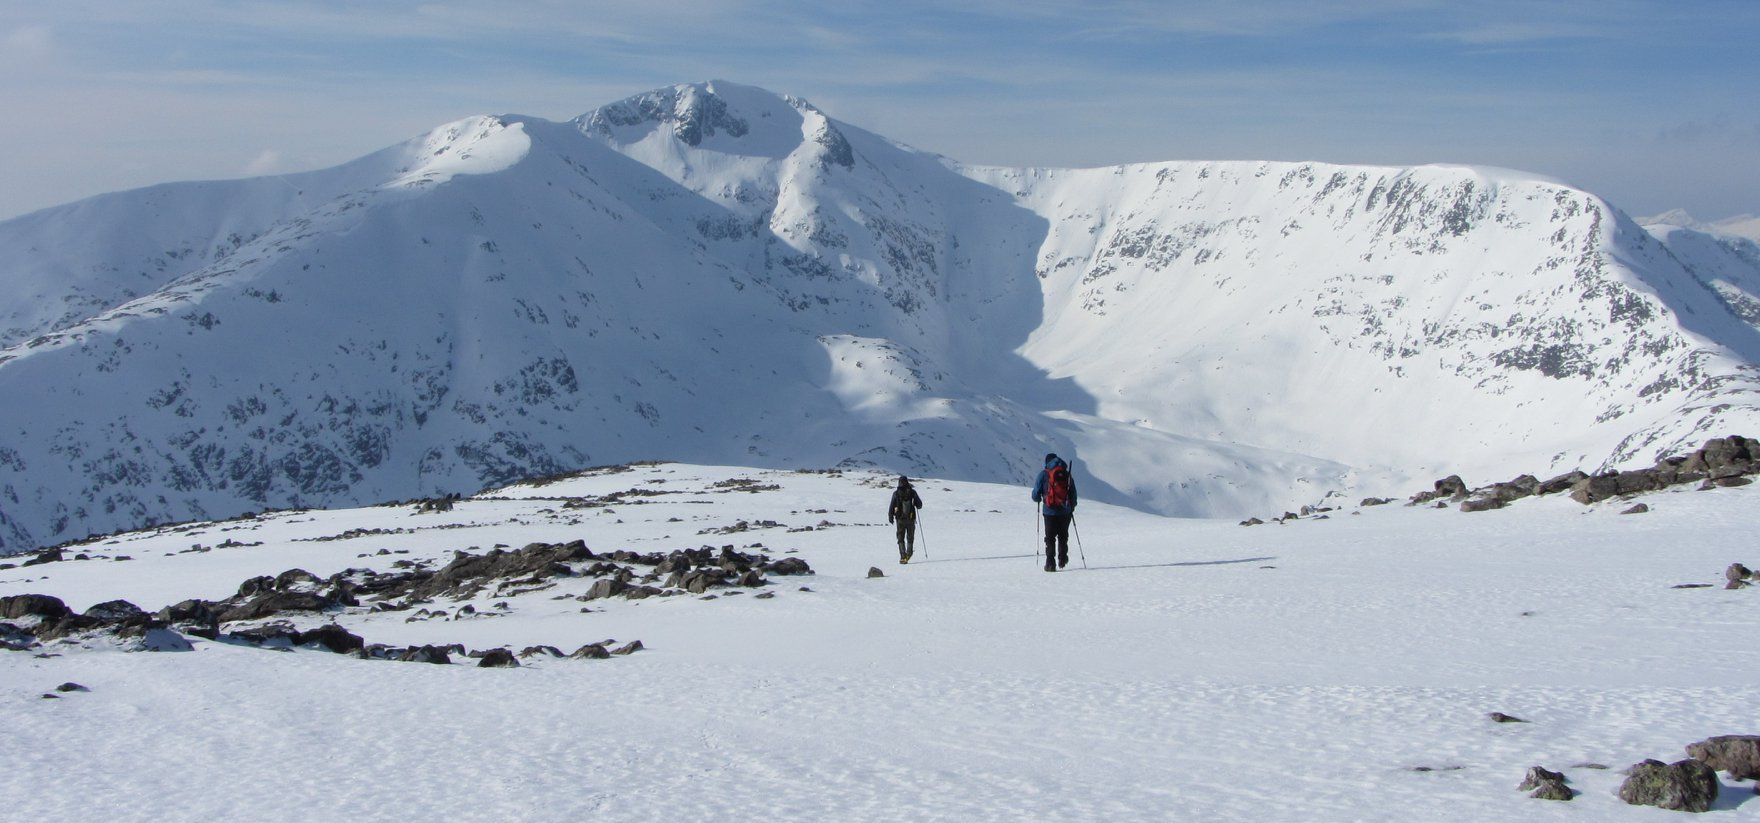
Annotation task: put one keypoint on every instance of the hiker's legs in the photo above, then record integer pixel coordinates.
(907, 536)
(1057, 537)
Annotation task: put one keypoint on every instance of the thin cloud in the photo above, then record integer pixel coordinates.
(27, 43)
(268, 162)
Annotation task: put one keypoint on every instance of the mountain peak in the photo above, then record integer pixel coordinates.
(1672, 217)
(715, 114)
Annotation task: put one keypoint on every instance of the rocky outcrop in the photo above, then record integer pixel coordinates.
(271, 603)
(44, 618)
(1724, 461)
(468, 574)
(252, 615)
(1450, 488)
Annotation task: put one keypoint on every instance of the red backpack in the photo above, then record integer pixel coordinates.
(1057, 486)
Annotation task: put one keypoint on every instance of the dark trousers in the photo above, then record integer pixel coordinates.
(1057, 538)
(907, 534)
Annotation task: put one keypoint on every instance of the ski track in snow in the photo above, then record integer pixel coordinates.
(1177, 678)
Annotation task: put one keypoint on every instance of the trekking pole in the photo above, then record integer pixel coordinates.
(1078, 531)
(922, 534)
(1036, 539)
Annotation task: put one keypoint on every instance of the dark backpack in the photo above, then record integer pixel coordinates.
(1057, 486)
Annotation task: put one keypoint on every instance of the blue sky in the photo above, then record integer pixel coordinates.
(1653, 105)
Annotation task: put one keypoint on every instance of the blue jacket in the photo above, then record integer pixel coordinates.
(1039, 489)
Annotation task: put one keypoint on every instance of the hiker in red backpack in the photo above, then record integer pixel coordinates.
(1055, 491)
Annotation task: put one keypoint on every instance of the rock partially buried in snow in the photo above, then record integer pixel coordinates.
(115, 611)
(71, 687)
(279, 633)
(1737, 754)
(591, 651)
(874, 571)
(1637, 509)
(425, 654)
(1560, 483)
(332, 637)
(1451, 487)
(1500, 717)
(162, 640)
(1682, 786)
(271, 603)
(789, 566)
(497, 658)
(1544, 784)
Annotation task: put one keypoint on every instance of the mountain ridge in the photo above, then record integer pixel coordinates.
(716, 273)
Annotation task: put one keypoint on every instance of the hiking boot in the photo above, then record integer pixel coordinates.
(909, 553)
(1062, 560)
(1049, 567)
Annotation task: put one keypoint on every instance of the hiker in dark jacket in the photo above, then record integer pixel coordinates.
(1055, 491)
(903, 513)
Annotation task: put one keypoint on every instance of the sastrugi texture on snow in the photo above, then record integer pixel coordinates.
(715, 273)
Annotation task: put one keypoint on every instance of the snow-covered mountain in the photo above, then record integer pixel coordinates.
(715, 273)
(1740, 225)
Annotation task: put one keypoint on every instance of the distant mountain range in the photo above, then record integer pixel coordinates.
(718, 274)
(1745, 226)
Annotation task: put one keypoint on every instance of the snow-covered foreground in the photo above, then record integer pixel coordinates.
(1196, 670)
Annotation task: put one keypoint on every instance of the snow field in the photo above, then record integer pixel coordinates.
(1177, 678)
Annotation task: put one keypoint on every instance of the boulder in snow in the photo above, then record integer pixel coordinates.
(332, 637)
(1545, 784)
(1683, 786)
(1737, 754)
(20, 606)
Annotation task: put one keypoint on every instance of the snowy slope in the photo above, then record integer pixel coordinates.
(716, 273)
(1322, 670)
(1427, 320)
(1728, 263)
